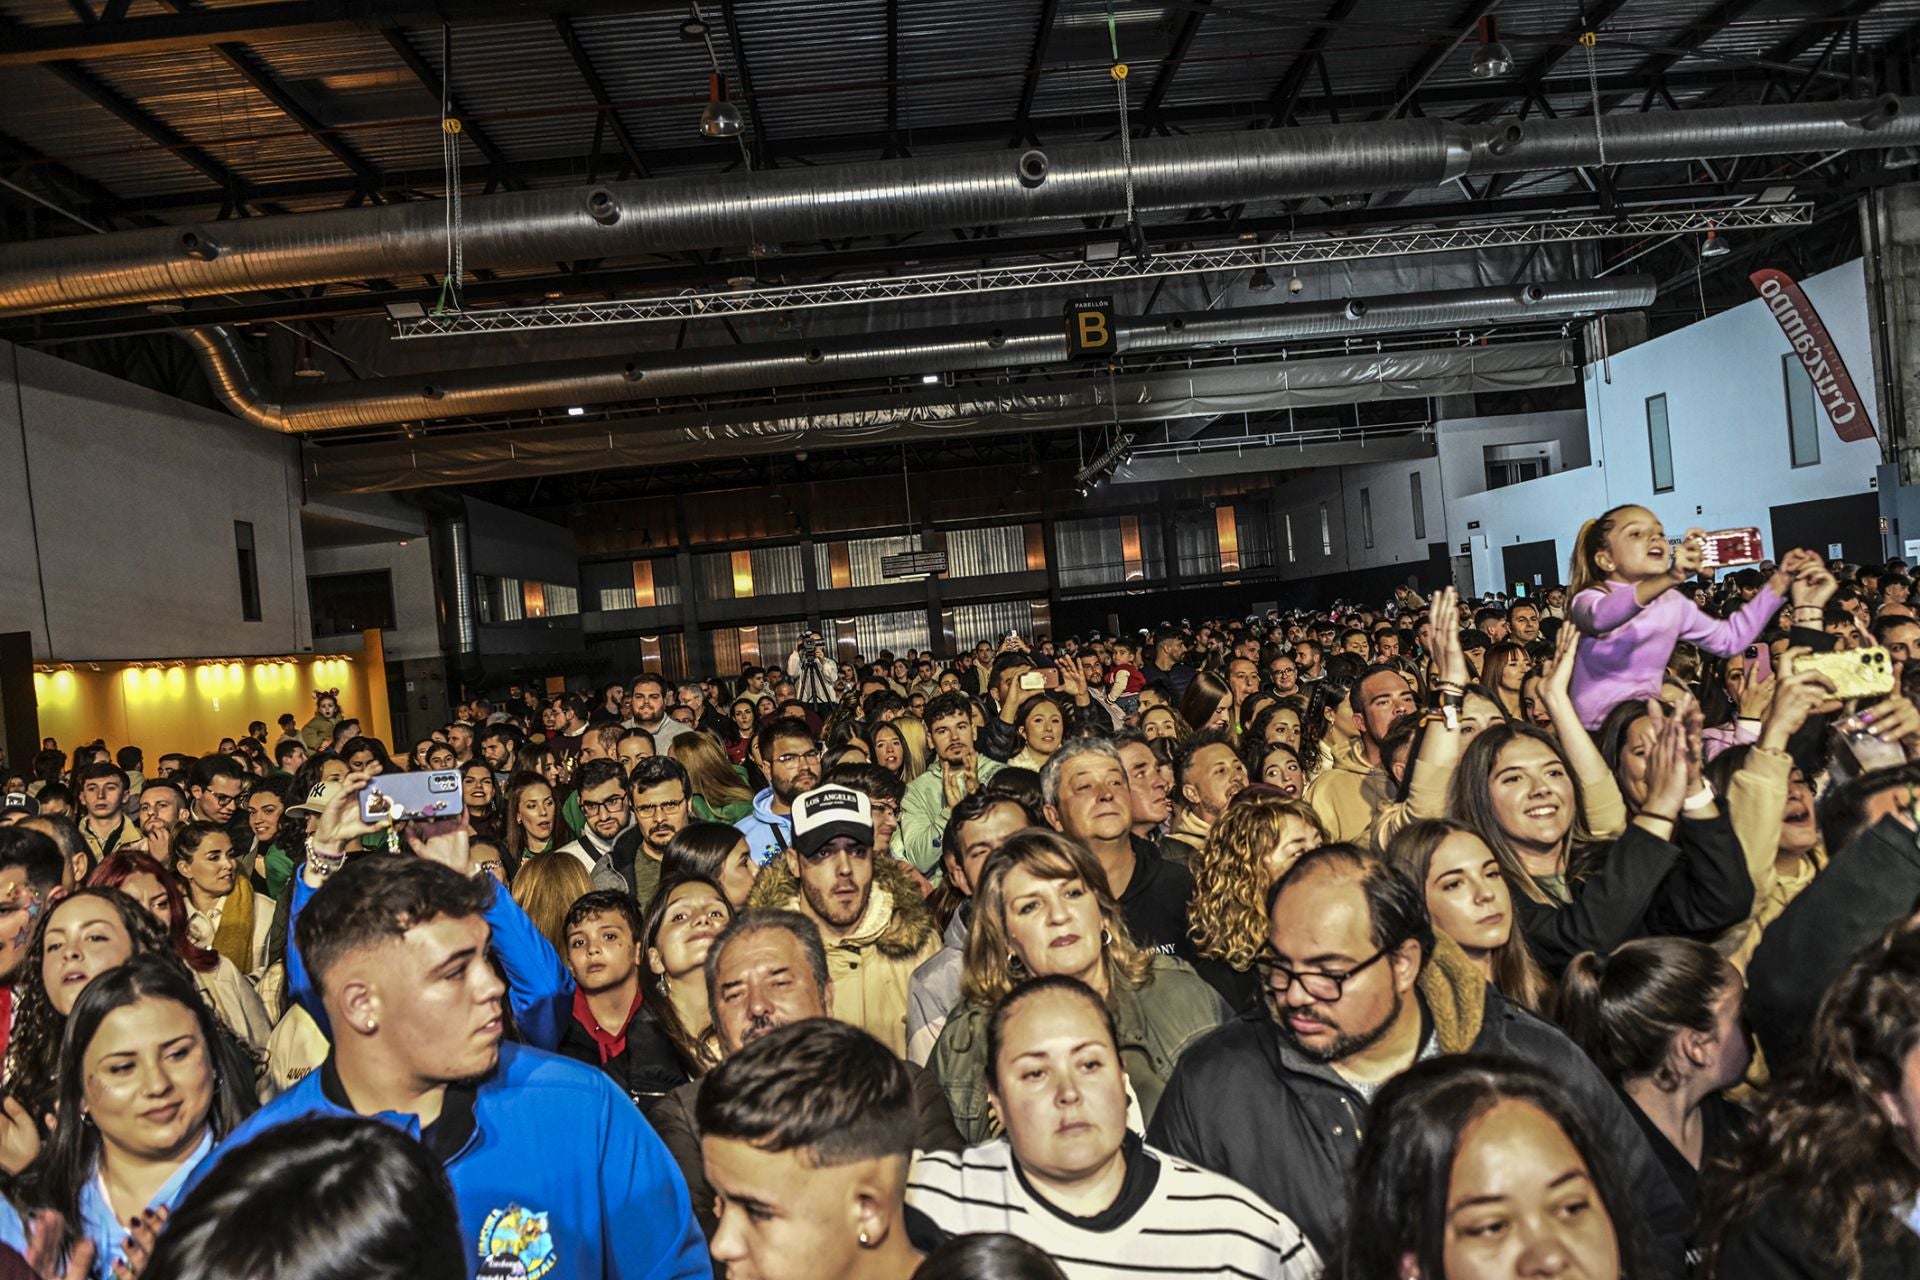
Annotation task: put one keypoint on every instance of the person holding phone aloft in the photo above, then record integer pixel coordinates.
(1622, 599)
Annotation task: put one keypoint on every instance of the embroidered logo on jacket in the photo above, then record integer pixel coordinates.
(516, 1243)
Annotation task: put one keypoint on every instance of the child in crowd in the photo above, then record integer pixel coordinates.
(1623, 601)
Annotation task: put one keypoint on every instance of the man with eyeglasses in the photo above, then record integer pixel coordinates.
(603, 800)
(790, 758)
(1283, 677)
(874, 940)
(214, 787)
(657, 790)
(1357, 988)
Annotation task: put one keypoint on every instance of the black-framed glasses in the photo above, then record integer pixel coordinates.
(611, 805)
(1325, 987)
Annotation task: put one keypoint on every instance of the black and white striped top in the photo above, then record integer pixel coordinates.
(1171, 1219)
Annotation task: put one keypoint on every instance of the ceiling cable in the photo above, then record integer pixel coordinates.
(450, 284)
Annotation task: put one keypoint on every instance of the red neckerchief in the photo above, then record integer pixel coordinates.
(612, 1043)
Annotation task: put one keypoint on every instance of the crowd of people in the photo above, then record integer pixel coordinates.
(1572, 935)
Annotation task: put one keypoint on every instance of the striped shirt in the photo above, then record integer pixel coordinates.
(1173, 1218)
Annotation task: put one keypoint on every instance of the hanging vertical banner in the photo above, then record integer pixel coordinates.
(1813, 345)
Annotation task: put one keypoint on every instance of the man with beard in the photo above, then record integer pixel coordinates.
(658, 791)
(876, 927)
(791, 760)
(1350, 795)
(1357, 988)
(767, 970)
(608, 814)
(649, 693)
(957, 770)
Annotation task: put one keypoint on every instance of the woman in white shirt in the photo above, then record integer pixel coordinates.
(1070, 1178)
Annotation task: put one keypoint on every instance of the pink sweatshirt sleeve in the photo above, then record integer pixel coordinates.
(1725, 638)
(1599, 610)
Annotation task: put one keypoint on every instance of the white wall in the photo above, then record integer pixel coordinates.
(416, 632)
(1726, 406)
(117, 507)
(1457, 469)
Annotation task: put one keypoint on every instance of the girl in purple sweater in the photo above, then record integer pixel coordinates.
(1623, 601)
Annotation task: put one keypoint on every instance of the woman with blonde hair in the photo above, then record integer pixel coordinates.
(1248, 849)
(717, 789)
(1042, 906)
(545, 888)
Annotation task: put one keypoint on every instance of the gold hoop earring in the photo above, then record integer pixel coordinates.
(1015, 965)
(1106, 936)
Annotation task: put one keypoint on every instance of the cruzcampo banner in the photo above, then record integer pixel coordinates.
(1832, 384)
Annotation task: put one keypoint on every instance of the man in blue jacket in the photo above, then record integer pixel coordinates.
(556, 1175)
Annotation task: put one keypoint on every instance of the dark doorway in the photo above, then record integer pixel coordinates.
(1852, 523)
(1531, 568)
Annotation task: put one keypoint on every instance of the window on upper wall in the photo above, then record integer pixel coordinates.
(249, 571)
(1419, 511)
(1326, 532)
(1366, 517)
(1288, 520)
(1803, 418)
(346, 604)
(1660, 444)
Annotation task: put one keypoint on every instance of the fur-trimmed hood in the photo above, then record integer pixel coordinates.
(898, 924)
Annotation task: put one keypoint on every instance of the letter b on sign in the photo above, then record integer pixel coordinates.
(1090, 328)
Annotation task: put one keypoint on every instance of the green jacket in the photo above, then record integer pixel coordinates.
(923, 815)
(1155, 1023)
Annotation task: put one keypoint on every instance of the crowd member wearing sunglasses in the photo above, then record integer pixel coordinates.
(876, 926)
(1359, 988)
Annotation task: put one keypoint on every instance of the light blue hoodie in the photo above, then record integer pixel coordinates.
(767, 832)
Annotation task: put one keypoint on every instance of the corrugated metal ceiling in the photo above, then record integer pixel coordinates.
(820, 70)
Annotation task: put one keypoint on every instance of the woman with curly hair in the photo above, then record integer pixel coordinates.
(1248, 849)
(226, 988)
(1825, 1182)
(1281, 720)
(1043, 906)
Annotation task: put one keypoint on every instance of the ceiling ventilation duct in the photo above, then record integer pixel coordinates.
(308, 407)
(669, 215)
(1145, 398)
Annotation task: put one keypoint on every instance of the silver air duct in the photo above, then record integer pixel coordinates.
(666, 374)
(1134, 399)
(805, 205)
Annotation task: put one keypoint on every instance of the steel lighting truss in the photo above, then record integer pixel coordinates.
(760, 300)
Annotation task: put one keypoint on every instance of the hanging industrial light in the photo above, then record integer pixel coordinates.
(308, 366)
(1260, 281)
(721, 119)
(1492, 59)
(1713, 246)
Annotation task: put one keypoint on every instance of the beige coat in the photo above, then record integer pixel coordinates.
(872, 966)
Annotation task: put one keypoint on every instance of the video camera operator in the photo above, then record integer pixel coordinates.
(814, 673)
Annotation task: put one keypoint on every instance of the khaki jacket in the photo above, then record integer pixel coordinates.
(872, 966)
(1350, 794)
